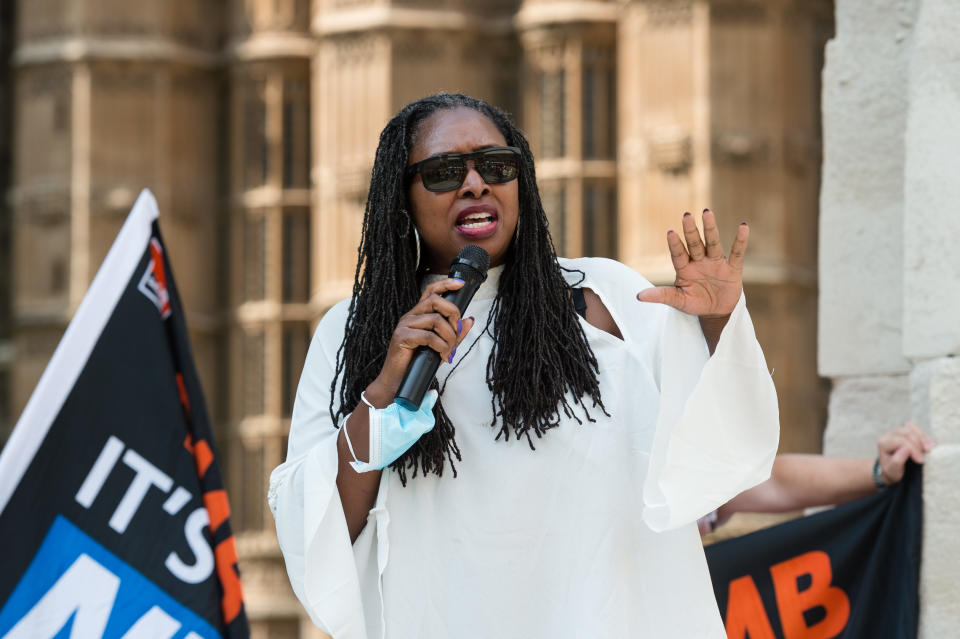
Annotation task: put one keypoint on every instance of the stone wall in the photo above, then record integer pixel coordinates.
(889, 274)
(6, 116)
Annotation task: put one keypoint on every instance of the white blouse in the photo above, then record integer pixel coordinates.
(593, 534)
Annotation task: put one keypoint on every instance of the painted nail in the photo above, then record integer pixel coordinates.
(452, 353)
(457, 279)
(706, 210)
(459, 327)
(686, 213)
(743, 223)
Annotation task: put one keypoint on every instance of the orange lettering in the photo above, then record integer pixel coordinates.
(184, 398)
(226, 559)
(218, 509)
(204, 456)
(792, 602)
(201, 451)
(745, 613)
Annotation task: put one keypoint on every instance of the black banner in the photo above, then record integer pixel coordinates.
(112, 509)
(850, 572)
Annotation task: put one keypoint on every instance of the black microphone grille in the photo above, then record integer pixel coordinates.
(475, 257)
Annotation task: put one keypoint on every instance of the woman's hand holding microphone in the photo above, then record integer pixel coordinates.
(433, 322)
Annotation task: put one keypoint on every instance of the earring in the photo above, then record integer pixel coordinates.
(416, 240)
(416, 235)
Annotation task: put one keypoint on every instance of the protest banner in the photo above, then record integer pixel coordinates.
(113, 512)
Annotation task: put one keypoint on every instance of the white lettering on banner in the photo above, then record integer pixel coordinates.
(83, 600)
(203, 567)
(155, 624)
(177, 500)
(87, 589)
(98, 474)
(147, 475)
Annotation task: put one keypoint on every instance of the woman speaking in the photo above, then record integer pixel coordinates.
(581, 421)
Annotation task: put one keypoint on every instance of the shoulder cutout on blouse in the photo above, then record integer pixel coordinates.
(591, 308)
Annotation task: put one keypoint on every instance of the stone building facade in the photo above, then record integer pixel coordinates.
(255, 123)
(6, 122)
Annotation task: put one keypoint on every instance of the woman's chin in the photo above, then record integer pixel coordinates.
(495, 244)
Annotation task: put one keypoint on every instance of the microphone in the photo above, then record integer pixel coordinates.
(470, 266)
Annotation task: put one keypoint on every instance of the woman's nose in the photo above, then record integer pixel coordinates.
(473, 184)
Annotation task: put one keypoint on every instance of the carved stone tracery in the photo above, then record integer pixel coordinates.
(668, 13)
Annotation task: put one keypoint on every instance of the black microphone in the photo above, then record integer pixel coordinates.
(470, 266)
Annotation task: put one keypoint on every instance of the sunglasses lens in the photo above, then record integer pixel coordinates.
(443, 174)
(497, 167)
(446, 173)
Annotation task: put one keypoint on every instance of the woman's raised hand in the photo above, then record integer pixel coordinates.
(433, 322)
(708, 283)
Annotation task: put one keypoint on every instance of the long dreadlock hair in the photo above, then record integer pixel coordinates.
(540, 357)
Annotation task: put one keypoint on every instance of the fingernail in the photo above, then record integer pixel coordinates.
(457, 279)
(669, 231)
(686, 213)
(452, 353)
(471, 318)
(743, 223)
(706, 210)
(459, 327)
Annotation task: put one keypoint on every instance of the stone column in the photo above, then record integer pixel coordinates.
(889, 274)
(931, 296)
(935, 403)
(861, 214)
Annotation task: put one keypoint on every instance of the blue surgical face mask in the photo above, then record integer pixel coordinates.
(393, 430)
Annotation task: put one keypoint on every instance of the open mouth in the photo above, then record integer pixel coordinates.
(477, 222)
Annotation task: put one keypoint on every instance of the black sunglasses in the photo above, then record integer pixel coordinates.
(447, 171)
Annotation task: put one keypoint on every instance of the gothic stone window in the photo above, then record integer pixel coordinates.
(552, 114)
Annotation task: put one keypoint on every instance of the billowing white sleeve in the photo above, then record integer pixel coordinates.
(718, 424)
(312, 530)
